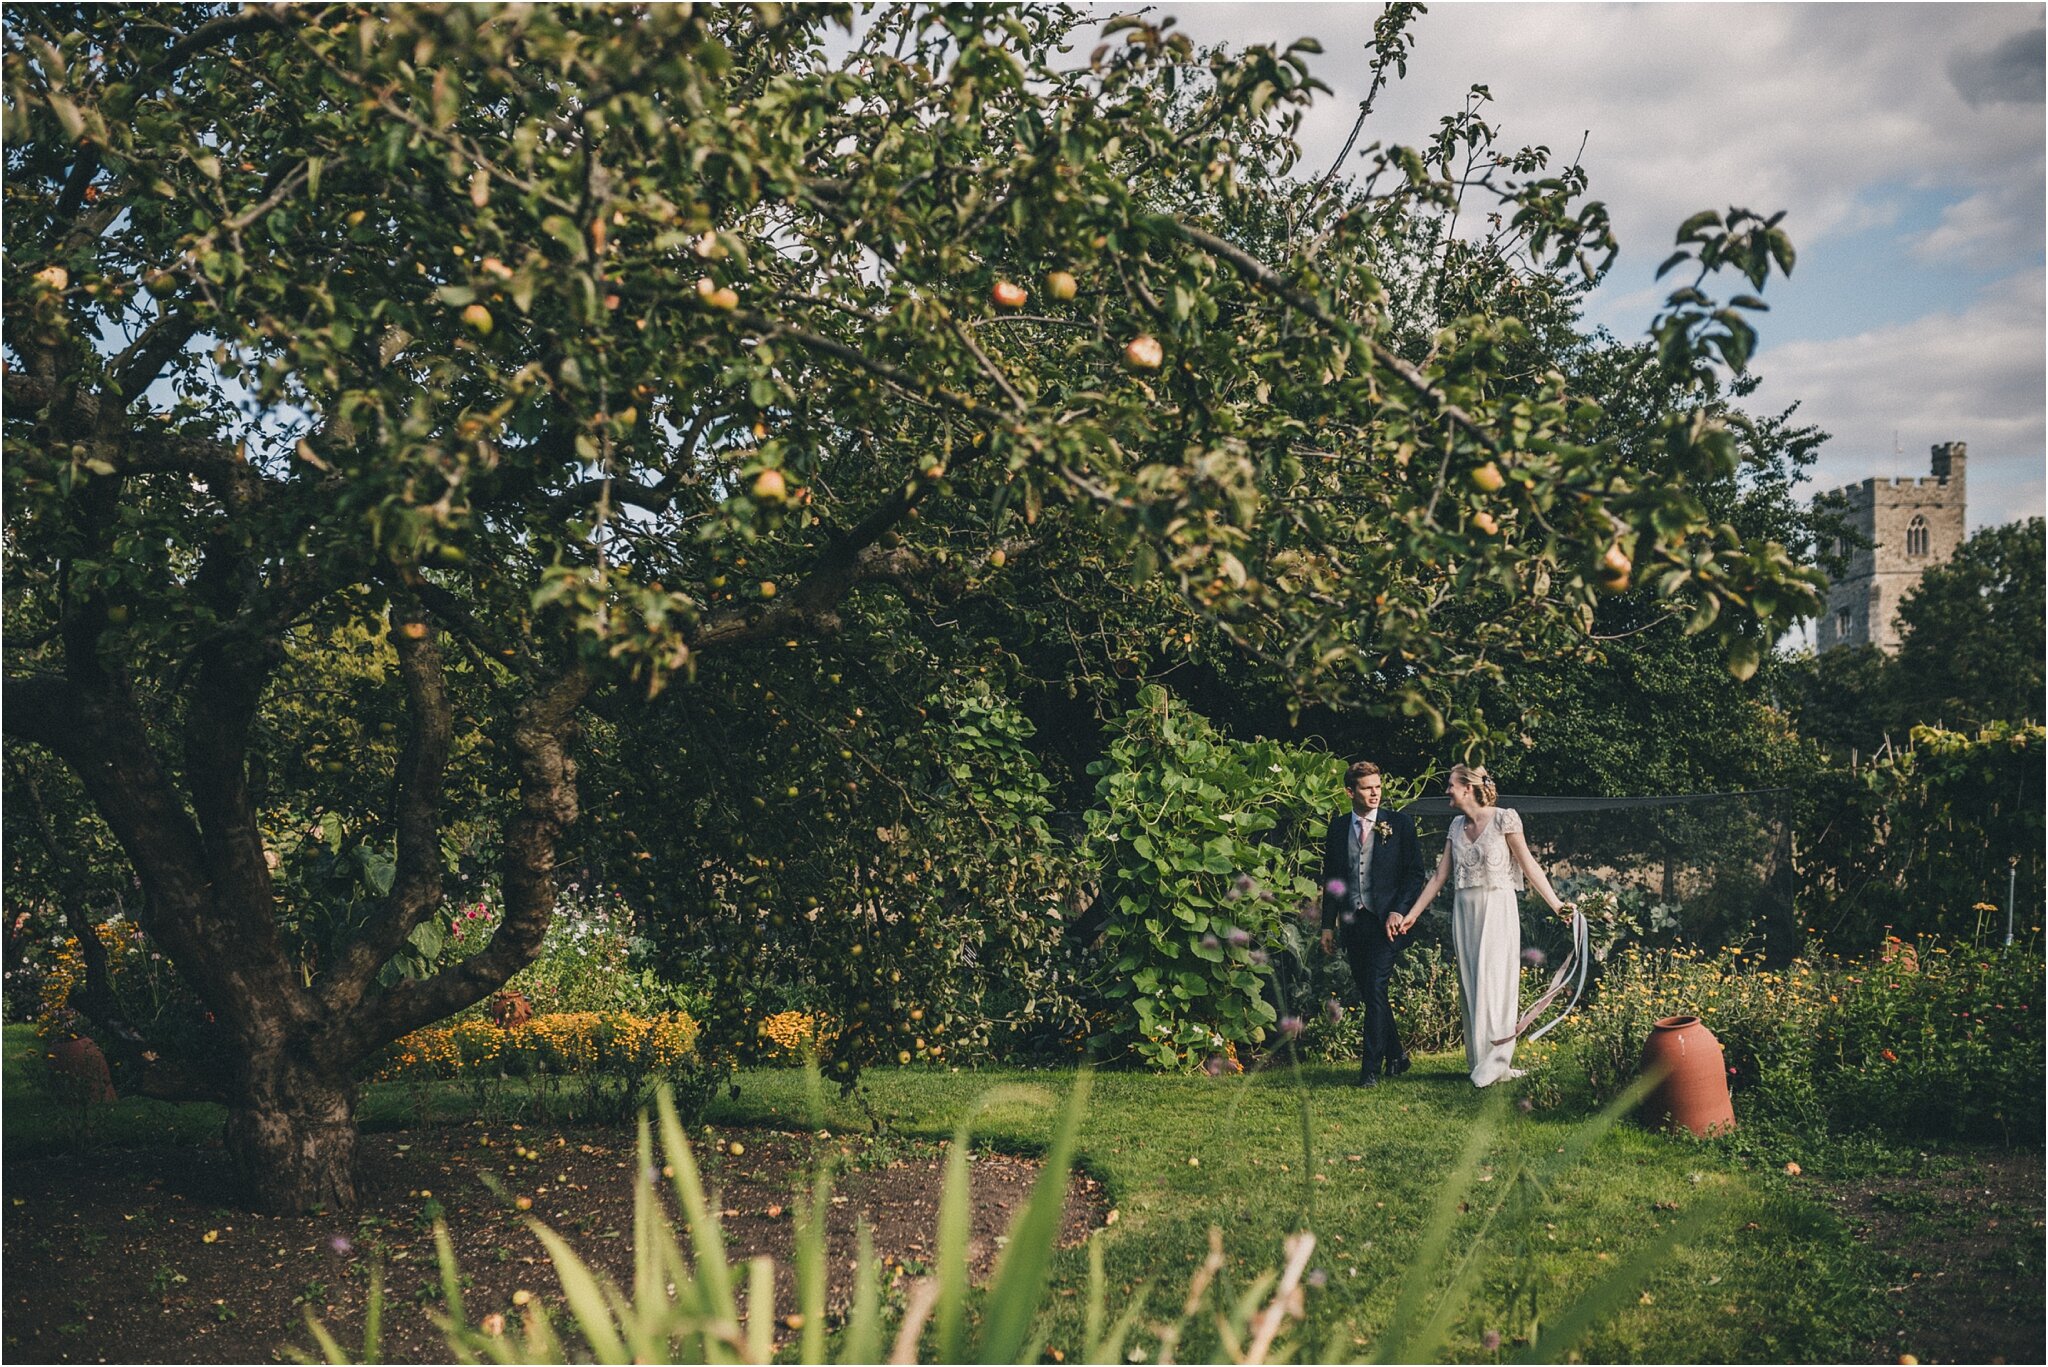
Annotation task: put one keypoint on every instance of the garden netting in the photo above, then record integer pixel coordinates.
(1704, 868)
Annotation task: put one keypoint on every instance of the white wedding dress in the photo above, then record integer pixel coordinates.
(1486, 927)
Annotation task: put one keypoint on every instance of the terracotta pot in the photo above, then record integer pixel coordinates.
(511, 1008)
(82, 1070)
(1694, 1092)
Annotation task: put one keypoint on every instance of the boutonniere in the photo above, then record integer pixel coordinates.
(1384, 829)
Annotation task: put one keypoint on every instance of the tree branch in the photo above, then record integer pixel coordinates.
(547, 807)
(416, 884)
(1260, 273)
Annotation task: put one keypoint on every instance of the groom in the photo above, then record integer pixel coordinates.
(1372, 870)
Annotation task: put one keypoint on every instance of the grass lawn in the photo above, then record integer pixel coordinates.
(1772, 1273)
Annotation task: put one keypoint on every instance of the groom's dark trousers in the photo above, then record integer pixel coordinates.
(1392, 883)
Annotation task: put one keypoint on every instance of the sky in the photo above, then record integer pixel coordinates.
(1904, 142)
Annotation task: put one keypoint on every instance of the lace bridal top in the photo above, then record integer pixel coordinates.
(1486, 862)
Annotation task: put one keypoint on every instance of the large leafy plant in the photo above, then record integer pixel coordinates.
(1208, 852)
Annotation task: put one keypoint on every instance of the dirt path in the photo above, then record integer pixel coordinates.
(138, 1256)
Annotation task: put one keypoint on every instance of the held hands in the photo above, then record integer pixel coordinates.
(1397, 926)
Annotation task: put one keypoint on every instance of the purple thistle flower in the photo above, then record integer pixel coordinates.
(1244, 885)
(1533, 957)
(1336, 887)
(1490, 1340)
(1319, 1279)
(1211, 942)
(1213, 1065)
(1290, 1026)
(1525, 1105)
(1311, 914)
(1334, 1009)
(342, 1245)
(1238, 936)
(1258, 957)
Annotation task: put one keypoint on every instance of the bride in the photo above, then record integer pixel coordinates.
(1491, 860)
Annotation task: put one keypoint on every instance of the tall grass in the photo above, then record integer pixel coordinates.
(683, 1303)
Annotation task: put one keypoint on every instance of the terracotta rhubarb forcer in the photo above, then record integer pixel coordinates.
(510, 1008)
(81, 1070)
(1694, 1091)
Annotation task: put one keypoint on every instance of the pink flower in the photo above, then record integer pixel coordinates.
(1336, 887)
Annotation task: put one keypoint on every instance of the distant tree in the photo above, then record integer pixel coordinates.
(1973, 633)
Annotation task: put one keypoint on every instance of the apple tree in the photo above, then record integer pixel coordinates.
(583, 347)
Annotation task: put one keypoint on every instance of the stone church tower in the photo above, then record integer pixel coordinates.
(1912, 524)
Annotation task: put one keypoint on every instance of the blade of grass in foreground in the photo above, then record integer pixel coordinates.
(1020, 1278)
(707, 1243)
(1600, 1301)
(950, 1320)
(1101, 1347)
(587, 1301)
(1394, 1345)
(863, 1342)
(373, 1314)
(810, 1265)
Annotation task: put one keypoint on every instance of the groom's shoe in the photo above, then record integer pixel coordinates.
(1367, 1080)
(1400, 1066)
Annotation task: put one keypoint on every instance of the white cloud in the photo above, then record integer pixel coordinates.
(1811, 108)
(1988, 229)
(1974, 374)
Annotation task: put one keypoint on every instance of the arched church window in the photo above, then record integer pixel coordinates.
(1916, 536)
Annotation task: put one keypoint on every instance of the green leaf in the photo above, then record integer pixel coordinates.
(1020, 1277)
(587, 1302)
(566, 233)
(950, 1312)
(863, 1342)
(1690, 230)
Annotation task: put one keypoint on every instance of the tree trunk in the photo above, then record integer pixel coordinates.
(291, 1134)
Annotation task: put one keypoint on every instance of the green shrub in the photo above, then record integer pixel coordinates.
(1913, 840)
(1937, 1041)
(1200, 842)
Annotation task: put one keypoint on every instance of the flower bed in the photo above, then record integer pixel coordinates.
(1928, 1039)
(789, 1037)
(565, 1042)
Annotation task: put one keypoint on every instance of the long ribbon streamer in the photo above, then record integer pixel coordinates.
(1573, 970)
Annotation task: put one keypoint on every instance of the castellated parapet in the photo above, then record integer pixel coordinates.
(1912, 525)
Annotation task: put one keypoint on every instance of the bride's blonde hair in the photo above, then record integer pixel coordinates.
(1475, 776)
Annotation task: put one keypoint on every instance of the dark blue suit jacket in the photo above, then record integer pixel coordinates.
(1393, 880)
